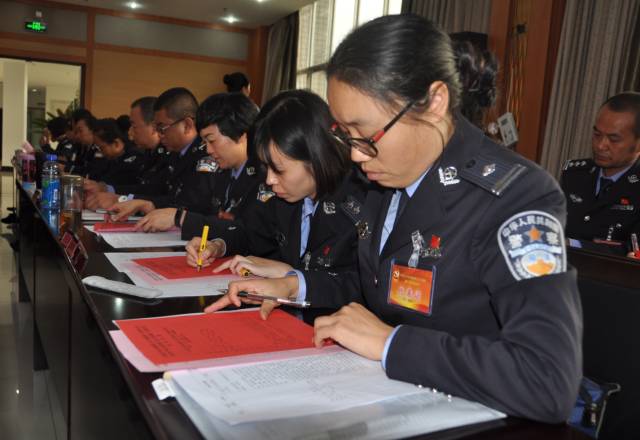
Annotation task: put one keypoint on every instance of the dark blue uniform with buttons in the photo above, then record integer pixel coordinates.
(613, 214)
(504, 326)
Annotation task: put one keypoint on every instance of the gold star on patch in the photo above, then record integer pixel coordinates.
(534, 234)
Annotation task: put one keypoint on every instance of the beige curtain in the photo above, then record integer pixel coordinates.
(595, 49)
(282, 49)
(453, 15)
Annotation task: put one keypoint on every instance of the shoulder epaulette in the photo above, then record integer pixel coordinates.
(576, 164)
(493, 174)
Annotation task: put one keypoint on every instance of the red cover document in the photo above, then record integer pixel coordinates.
(174, 268)
(114, 227)
(188, 338)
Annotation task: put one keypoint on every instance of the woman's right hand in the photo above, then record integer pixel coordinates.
(214, 249)
(286, 287)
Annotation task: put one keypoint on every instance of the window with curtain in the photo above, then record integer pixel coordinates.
(323, 25)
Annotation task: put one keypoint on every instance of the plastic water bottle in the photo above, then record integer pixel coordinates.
(50, 183)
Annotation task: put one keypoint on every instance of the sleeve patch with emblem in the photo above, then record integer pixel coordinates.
(532, 244)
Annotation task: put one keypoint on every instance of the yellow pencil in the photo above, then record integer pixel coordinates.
(203, 245)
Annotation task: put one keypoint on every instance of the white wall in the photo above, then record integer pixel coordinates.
(14, 104)
(59, 97)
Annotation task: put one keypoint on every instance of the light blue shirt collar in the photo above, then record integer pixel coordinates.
(616, 176)
(235, 173)
(184, 150)
(411, 189)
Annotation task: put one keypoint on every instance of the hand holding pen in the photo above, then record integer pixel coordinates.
(203, 246)
(269, 293)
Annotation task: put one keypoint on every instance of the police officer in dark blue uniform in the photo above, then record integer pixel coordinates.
(223, 122)
(461, 248)
(296, 226)
(603, 193)
(174, 118)
(155, 160)
(122, 158)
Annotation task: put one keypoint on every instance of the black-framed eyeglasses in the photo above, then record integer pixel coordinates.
(367, 146)
(162, 129)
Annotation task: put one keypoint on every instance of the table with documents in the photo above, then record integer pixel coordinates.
(105, 396)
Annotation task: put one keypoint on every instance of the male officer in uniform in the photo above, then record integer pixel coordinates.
(603, 193)
(174, 118)
(155, 161)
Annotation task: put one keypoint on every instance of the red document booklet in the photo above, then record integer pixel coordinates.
(175, 268)
(186, 338)
(114, 227)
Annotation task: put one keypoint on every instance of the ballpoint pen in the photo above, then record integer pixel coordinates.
(283, 301)
(203, 245)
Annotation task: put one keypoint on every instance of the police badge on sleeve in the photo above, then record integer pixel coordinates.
(532, 243)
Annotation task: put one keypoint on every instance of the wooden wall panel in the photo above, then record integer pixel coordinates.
(12, 45)
(119, 78)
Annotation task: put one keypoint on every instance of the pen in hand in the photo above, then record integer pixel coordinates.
(257, 297)
(203, 246)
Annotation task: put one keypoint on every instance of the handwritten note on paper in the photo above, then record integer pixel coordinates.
(193, 337)
(176, 267)
(290, 388)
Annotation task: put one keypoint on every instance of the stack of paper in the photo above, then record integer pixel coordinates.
(169, 272)
(121, 240)
(264, 380)
(396, 417)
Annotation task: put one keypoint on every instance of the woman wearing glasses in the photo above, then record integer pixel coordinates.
(461, 252)
(298, 224)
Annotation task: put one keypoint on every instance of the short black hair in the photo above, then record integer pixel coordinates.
(145, 104)
(235, 81)
(124, 123)
(107, 129)
(626, 102)
(397, 58)
(58, 126)
(178, 103)
(233, 113)
(298, 123)
(85, 115)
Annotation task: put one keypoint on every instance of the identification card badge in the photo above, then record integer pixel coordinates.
(411, 288)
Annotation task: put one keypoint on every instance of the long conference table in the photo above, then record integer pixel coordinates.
(101, 395)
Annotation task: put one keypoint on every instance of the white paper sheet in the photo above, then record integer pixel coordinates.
(121, 240)
(145, 277)
(292, 387)
(98, 216)
(401, 417)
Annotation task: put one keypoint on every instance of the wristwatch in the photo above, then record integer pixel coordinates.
(123, 199)
(178, 216)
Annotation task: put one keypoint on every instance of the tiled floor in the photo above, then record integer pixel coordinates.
(28, 408)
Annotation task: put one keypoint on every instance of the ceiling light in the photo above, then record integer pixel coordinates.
(230, 19)
(133, 5)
